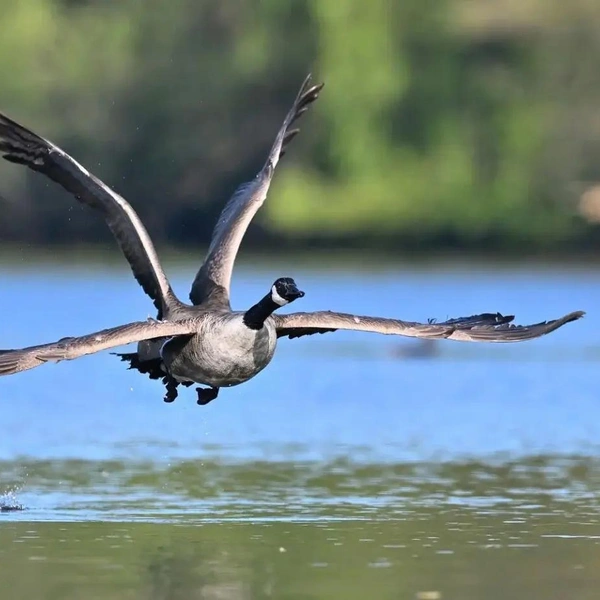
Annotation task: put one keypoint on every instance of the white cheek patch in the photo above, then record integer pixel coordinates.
(277, 298)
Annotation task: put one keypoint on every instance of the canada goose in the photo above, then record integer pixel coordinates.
(211, 346)
(206, 342)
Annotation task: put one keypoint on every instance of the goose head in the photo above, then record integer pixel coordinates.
(284, 291)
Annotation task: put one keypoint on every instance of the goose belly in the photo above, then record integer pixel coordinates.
(225, 355)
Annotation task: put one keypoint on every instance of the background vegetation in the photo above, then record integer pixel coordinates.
(444, 123)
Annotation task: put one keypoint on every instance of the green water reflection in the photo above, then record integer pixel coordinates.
(526, 528)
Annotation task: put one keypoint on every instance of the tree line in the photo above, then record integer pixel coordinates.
(443, 123)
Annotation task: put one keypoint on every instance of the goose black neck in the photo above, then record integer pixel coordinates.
(256, 315)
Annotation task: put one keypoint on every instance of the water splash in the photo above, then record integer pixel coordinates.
(9, 501)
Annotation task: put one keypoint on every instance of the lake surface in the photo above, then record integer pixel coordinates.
(354, 466)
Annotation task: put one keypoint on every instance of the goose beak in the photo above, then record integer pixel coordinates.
(285, 288)
(294, 293)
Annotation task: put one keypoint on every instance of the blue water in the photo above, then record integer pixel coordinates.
(343, 393)
(346, 469)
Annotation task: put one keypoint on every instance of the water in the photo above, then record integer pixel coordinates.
(345, 470)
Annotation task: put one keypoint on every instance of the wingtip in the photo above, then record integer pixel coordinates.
(306, 89)
(574, 316)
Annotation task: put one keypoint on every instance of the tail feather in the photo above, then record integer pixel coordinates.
(152, 368)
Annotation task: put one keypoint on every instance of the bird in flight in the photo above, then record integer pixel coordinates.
(206, 342)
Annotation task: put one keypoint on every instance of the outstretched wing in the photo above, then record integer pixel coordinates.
(20, 145)
(487, 327)
(14, 361)
(214, 277)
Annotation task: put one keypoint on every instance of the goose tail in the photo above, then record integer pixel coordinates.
(152, 368)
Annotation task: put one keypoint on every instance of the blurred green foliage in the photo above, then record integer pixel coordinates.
(444, 123)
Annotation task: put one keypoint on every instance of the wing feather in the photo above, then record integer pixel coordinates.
(69, 348)
(212, 281)
(20, 145)
(487, 327)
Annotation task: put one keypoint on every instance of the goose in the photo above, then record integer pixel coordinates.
(214, 347)
(206, 342)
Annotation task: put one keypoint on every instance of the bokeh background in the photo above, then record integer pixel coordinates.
(450, 167)
(462, 124)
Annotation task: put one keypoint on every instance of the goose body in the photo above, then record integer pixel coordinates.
(206, 342)
(224, 352)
